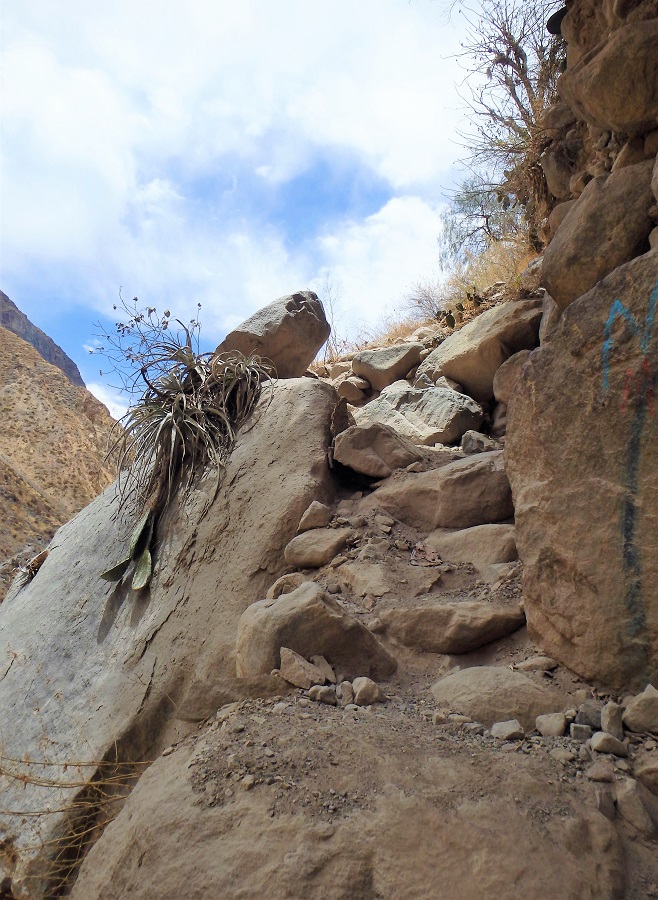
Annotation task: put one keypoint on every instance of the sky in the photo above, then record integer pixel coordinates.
(222, 152)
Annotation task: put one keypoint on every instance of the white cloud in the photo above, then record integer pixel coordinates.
(111, 111)
(378, 259)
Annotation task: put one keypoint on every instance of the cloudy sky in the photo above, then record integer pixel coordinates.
(222, 152)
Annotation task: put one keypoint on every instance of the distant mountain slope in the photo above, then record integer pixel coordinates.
(17, 322)
(52, 447)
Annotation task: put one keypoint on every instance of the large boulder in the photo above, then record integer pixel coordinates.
(98, 670)
(615, 85)
(506, 377)
(289, 332)
(382, 367)
(451, 628)
(583, 463)
(467, 492)
(491, 694)
(414, 818)
(424, 415)
(608, 225)
(473, 355)
(311, 623)
(374, 450)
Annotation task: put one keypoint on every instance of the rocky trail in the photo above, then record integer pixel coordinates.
(408, 647)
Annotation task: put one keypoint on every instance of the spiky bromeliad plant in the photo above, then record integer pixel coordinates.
(185, 422)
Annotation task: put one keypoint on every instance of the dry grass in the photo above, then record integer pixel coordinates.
(89, 794)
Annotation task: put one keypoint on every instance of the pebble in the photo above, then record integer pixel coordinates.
(537, 664)
(247, 782)
(475, 728)
(456, 717)
(611, 720)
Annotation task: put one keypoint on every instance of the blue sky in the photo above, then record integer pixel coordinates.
(222, 153)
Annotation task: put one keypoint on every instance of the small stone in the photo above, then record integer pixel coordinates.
(602, 742)
(351, 707)
(631, 807)
(600, 771)
(247, 782)
(298, 671)
(358, 521)
(537, 664)
(268, 752)
(562, 756)
(366, 691)
(508, 731)
(611, 720)
(551, 725)
(641, 713)
(622, 766)
(321, 663)
(584, 753)
(376, 625)
(580, 732)
(589, 713)
(439, 717)
(318, 515)
(346, 694)
(337, 561)
(647, 774)
(474, 728)
(279, 708)
(323, 694)
(459, 719)
(168, 751)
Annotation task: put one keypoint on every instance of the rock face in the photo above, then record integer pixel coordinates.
(382, 367)
(425, 416)
(374, 450)
(289, 332)
(488, 694)
(311, 623)
(473, 355)
(467, 492)
(591, 580)
(607, 226)
(101, 669)
(457, 628)
(615, 85)
(18, 323)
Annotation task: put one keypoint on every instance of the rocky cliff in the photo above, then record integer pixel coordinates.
(18, 323)
(52, 451)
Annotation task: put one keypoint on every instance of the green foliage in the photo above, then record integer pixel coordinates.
(184, 423)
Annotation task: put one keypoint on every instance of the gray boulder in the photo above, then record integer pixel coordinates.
(382, 367)
(98, 670)
(289, 332)
(424, 415)
(374, 450)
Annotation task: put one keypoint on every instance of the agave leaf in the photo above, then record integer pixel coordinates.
(117, 572)
(143, 571)
(141, 536)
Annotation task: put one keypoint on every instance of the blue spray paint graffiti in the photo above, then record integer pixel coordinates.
(640, 387)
